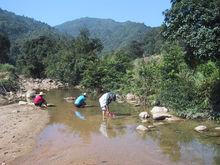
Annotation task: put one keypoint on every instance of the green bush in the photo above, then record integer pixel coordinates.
(7, 68)
(207, 78)
(187, 92)
(7, 78)
(146, 79)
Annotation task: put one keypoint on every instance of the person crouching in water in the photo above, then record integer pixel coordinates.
(104, 101)
(40, 101)
(80, 101)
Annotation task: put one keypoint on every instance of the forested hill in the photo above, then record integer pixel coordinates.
(19, 29)
(16, 26)
(113, 34)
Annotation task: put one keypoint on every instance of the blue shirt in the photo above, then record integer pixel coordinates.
(80, 100)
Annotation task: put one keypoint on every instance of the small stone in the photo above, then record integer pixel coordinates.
(144, 115)
(151, 126)
(200, 128)
(142, 128)
(144, 121)
(217, 128)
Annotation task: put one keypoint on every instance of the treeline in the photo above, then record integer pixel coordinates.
(176, 66)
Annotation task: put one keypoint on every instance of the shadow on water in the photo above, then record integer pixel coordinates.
(69, 140)
(215, 98)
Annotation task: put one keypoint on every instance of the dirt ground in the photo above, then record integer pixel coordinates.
(19, 126)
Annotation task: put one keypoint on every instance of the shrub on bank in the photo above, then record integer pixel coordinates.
(190, 93)
(7, 78)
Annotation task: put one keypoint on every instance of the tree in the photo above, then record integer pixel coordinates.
(4, 48)
(74, 58)
(135, 49)
(34, 52)
(196, 25)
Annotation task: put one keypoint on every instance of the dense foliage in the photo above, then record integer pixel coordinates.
(196, 25)
(7, 78)
(72, 60)
(4, 48)
(33, 53)
(16, 26)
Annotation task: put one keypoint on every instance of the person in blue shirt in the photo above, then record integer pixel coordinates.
(80, 101)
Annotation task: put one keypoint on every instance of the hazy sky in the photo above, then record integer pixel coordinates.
(55, 12)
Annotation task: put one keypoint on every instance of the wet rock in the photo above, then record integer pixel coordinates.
(160, 113)
(217, 128)
(144, 121)
(151, 126)
(158, 123)
(144, 115)
(173, 118)
(142, 128)
(201, 128)
(160, 116)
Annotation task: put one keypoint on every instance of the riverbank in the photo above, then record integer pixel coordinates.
(27, 85)
(19, 126)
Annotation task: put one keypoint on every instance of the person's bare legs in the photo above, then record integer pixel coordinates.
(103, 115)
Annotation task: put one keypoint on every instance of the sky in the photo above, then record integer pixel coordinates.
(55, 12)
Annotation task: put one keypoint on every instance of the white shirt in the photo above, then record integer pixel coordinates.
(103, 100)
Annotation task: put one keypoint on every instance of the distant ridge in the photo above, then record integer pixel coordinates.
(114, 35)
(15, 26)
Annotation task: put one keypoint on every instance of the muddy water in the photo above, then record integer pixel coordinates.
(67, 139)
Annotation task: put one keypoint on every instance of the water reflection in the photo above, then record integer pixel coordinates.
(103, 128)
(171, 143)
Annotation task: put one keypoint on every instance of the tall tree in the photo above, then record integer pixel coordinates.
(34, 52)
(4, 48)
(196, 25)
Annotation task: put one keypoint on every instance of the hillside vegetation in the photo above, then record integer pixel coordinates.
(114, 35)
(19, 29)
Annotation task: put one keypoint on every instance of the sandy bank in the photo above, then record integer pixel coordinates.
(19, 126)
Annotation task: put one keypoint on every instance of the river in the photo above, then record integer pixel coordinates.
(67, 139)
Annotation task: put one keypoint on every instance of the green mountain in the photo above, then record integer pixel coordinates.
(114, 35)
(19, 29)
(16, 26)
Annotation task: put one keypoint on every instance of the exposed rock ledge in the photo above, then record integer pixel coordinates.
(27, 84)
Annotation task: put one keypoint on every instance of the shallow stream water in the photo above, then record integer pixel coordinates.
(67, 139)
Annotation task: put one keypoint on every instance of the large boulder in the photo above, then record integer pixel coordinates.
(160, 113)
(157, 109)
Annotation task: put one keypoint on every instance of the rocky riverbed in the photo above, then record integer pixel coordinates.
(28, 84)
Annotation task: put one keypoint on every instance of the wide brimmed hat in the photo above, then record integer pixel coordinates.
(41, 93)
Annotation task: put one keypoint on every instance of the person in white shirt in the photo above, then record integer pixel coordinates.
(104, 101)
